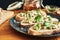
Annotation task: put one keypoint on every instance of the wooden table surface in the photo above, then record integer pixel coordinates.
(8, 33)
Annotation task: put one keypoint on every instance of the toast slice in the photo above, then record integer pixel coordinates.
(4, 15)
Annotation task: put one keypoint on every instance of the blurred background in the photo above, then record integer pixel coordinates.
(4, 3)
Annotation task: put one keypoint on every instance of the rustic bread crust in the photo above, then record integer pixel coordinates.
(31, 31)
(26, 24)
(18, 18)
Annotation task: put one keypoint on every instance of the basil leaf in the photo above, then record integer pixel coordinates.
(38, 27)
(47, 24)
(38, 18)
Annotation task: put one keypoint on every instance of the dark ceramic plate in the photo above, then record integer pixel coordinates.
(15, 25)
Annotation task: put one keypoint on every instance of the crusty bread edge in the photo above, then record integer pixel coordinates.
(31, 31)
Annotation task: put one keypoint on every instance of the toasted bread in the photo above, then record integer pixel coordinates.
(31, 31)
(18, 18)
(25, 24)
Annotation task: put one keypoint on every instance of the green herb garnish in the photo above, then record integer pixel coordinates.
(49, 17)
(38, 11)
(47, 24)
(50, 8)
(29, 16)
(38, 27)
(38, 18)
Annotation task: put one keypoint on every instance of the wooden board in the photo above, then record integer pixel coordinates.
(5, 15)
(8, 33)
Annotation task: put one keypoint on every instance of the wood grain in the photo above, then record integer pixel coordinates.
(8, 33)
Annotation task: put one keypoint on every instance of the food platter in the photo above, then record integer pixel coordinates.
(15, 25)
(37, 22)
